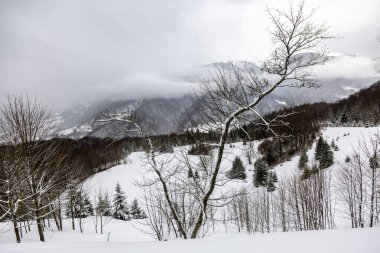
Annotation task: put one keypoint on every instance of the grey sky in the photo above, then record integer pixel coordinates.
(73, 51)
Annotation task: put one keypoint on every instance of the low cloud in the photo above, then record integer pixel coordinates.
(347, 66)
(70, 52)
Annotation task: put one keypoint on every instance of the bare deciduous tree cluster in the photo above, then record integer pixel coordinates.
(358, 184)
(296, 205)
(33, 172)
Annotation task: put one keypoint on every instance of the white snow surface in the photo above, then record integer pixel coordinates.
(334, 241)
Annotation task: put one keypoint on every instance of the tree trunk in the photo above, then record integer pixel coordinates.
(16, 230)
(55, 218)
(72, 213)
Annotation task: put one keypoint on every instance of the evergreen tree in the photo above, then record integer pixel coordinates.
(304, 159)
(332, 144)
(270, 184)
(196, 175)
(136, 211)
(306, 173)
(238, 170)
(190, 173)
(120, 207)
(274, 177)
(374, 162)
(260, 175)
(103, 206)
(81, 206)
(318, 148)
(326, 156)
(89, 209)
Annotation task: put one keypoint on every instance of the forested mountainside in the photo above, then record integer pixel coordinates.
(304, 122)
(359, 109)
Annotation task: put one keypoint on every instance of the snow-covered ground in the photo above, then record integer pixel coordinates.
(346, 138)
(133, 171)
(327, 241)
(127, 235)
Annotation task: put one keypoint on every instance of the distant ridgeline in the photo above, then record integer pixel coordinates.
(303, 125)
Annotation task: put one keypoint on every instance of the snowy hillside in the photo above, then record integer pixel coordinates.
(133, 171)
(124, 235)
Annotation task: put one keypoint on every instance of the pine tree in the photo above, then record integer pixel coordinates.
(136, 211)
(81, 206)
(103, 206)
(260, 175)
(274, 177)
(270, 184)
(237, 171)
(120, 207)
(190, 173)
(318, 148)
(332, 144)
(306, 173)
(326, 156)
(89, 209)
(304, 159)
(196, 175)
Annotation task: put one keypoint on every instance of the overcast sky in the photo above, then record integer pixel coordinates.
(74, 51)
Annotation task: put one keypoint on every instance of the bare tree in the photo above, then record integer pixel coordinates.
(233, 93)
(12, 184)
(103, 209)
(227, 99)
(24, 126)
(358, 181)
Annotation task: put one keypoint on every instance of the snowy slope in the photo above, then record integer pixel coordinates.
(346, 146)
(125, 234)
(128, 174)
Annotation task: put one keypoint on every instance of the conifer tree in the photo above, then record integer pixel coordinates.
(103, 207)
(318, 148)
(260, 175)
(89, 209)
(270, 184)
(136, 211)
(238, 170)
(190, 173)
(304, 159)
(196, 175)
(120, 207)
(306, 173)
(80, 205)
(326, 157)
(274, 177)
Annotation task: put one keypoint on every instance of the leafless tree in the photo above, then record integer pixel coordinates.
(227, 99)
(103, 209)
(12, 186)
(233, 93)
(24, 126)
(358, 181)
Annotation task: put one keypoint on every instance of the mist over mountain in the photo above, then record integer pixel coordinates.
(176, 114)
